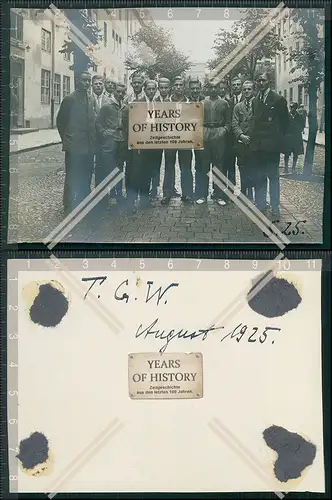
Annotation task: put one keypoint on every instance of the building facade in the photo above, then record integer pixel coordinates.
(293, 91)
(41, 76)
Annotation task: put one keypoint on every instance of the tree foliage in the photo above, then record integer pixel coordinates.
(154, 54)
(89, 28)
(227, 41)
(308, 68)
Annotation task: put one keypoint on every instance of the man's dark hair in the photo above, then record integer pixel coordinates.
(178, 79)
(163, 79)
(235, 78)
(137, 75)
(194, 80)
(85, 72)
(119, 84)
(264, 73)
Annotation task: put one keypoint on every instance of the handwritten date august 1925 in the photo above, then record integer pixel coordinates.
(157, 296)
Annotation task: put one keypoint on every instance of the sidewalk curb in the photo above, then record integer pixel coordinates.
(32, 148)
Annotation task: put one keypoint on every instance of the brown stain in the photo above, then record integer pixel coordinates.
(31, 291)
(40, 470)
(139, 281)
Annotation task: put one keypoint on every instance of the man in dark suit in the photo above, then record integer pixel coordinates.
(242, 122)
(164, 88)
(230, 156)
(195, 95)
(110, 140)
(216, 125)
(76, 126)
(98, 92)
(184, 157)
(270, 124)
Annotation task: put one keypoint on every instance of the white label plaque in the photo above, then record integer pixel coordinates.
(167, 376)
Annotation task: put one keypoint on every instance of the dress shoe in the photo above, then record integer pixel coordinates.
(166, 200)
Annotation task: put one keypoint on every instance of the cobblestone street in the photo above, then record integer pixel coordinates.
(36, 209)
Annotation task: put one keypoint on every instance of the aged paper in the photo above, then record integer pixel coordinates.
(261, 365)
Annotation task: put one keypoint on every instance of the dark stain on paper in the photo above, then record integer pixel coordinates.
(276, 298)
(34, 450)
(294, 452)
(49, 306)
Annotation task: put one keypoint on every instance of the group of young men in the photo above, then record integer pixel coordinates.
(246, 124)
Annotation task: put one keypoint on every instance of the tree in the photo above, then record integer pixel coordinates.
(154, 53)
(308, 62)
(227, 41)
(83, 21)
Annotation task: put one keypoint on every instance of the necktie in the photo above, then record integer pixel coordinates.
(262, 97)
(247, 105)
(236, 99)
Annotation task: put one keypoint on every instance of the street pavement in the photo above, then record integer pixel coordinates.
(35, 208)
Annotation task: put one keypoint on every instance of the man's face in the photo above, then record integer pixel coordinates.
(178, 88)
(236, 87)
(98, 86)
(222, 90)
(262, 83)
(195, 90)
(150, 90)
(84, 82)
(248, 90)
(137, 84)
(119, 92)
(109, 86)
(213, 90)
(164, 89)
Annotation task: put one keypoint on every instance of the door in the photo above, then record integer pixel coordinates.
(17, 92)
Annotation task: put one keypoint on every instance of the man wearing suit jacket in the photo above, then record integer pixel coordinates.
(76, 126)
(270, 125)
(230, 156)
(242, 122)
(100, 95)
(195, 95)
(216, 125)
(184, 157)
(110, 140)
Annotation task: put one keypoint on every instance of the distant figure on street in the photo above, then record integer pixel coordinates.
(242, 123)
(110, 141)
(76, 125)
(216, 125)
(294, 140)
(303, 112)
(270, 124)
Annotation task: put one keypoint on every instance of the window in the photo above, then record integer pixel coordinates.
(113, 40)
(279, 28)
(66, 56)
(66, 86)
(57, 89)
(291, 94)
(46, 40)
(291, 62)
(45, 86)
(120, 14)
(285, 61)
(16, 26)
(299, 93)
(285, 94)
(305, 98)
(120, 46)
(279, 62)
(105, 34)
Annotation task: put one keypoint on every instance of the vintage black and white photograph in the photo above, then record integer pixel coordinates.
(248, 168)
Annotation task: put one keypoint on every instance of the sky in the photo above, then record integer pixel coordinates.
(195, 37)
